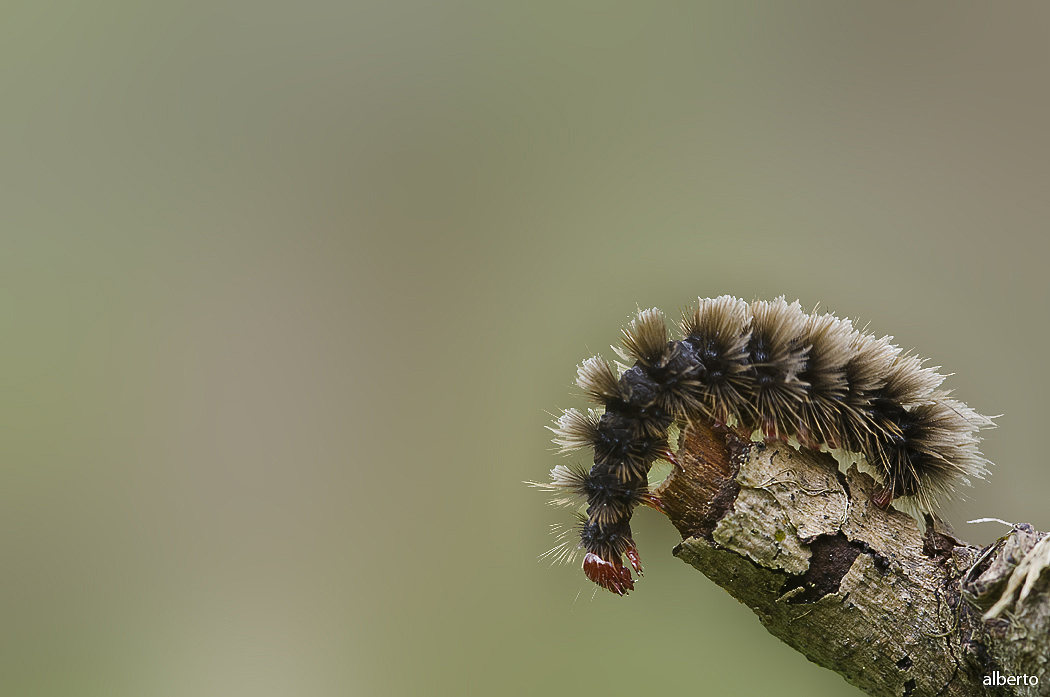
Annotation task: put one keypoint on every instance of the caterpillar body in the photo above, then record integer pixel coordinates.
(765, 366)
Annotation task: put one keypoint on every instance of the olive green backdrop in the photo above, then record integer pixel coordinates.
(289, 291)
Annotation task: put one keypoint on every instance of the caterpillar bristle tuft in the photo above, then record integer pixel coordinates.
(645, 337)
(597, 379)
(567, 547)
(576, 430)
(568, 485)
(764, 366)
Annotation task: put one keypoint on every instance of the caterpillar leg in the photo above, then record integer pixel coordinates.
(636, 561)
(612, 575)
(669, 455)
(883, 497)
(653, 502)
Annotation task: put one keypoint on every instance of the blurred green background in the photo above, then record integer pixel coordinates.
(289, 291)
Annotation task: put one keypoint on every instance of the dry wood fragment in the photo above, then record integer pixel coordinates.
(856, 589)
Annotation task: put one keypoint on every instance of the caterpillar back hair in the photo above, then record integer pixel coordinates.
(764, 366)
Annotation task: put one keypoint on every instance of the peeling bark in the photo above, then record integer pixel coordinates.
(856, 589)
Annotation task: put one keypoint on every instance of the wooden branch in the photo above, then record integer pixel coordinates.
(856, 589)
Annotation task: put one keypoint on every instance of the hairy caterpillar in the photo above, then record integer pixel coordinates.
(764, 366)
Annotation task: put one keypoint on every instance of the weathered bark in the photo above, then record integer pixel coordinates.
(856, 589)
